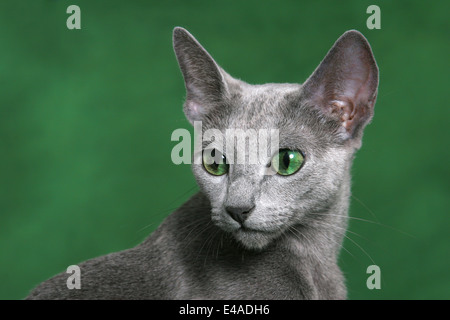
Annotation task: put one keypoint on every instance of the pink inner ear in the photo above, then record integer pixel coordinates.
(344, 85)
(349, 112)
(345, 111)
(350, 101)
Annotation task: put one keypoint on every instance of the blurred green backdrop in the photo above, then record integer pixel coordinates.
(86, 117)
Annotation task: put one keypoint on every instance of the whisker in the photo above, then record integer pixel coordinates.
(164, 211)
(360, 248)
(368, 221)
(183, 194)
(340, 228)
(293, 230)
(211, 242)
(208, 225)
(366, 207)
(219, 245)
(171, 210)
(338, 244)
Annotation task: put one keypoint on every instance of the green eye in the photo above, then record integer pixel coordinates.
(215, 162)
(287, 162)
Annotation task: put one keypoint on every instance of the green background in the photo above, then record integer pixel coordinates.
(86, 118)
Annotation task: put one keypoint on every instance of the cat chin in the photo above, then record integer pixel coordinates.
(249, 238)
(253, 240)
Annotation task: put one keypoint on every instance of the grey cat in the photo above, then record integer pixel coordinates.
(246, 234)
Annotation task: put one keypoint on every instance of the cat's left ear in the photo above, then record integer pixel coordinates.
(344, 85)
(205, 82)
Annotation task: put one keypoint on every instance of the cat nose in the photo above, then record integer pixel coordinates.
(239, 214)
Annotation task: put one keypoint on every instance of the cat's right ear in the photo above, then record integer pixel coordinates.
(344, 86)
(203, 78)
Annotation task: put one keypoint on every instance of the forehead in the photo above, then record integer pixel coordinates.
(273, 106)
(261, 106)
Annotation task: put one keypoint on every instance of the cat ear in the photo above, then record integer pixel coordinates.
(344, 85)
(204, 79)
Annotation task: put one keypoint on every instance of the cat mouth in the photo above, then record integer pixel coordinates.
(244, 228)
(254, 239)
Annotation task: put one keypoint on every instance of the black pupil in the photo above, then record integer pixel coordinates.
(286, 159)
(217, 161)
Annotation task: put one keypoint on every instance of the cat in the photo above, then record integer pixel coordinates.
(247, 234)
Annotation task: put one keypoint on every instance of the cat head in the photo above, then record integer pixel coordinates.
(320, 125)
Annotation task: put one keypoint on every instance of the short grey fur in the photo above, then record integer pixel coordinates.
(288, 246)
